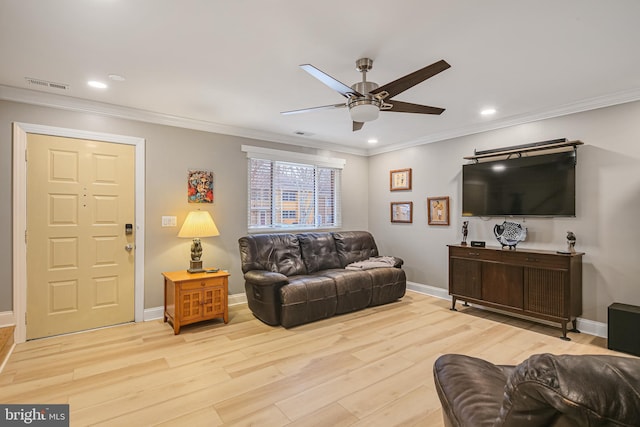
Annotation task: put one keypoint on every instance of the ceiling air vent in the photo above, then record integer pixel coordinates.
(302, 133)
(45, 83)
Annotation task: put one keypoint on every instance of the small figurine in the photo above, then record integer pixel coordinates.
(196, 250)
(571, 242)
(465, 231)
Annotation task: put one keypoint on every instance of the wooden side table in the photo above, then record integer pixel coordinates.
(190, 298)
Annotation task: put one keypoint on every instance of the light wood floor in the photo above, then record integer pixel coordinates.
(369, 368)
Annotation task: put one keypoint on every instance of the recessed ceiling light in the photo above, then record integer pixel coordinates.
(96, 84)
(372, 141)
(488, 111)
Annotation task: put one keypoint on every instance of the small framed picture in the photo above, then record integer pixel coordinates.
(438, 210)
(402, 212)
(200, 186)
(400, 179)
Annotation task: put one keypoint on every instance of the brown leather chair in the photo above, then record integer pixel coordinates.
(544, 390)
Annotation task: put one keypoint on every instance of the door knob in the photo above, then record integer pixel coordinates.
(129, 247)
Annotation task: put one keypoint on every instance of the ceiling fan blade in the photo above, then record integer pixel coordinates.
(334, 84)
(407, 107)
(307, 110)
(403, 83)
(357, 126)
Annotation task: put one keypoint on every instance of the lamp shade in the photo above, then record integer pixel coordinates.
(198, 224)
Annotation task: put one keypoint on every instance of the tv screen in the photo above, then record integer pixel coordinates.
(542, 185)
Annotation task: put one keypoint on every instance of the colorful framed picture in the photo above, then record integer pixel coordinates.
(438, 210)
(400, 179)
(200, 186)
(402, 212)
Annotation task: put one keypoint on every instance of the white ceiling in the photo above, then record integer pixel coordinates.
(232, 66)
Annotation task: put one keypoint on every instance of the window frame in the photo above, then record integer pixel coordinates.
(318, 163)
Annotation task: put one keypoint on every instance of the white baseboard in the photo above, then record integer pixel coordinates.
(7, 319)
(153, 313)
(157, 312)
(236, 299)
(587, 326)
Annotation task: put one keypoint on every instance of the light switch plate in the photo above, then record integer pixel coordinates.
(169, 221)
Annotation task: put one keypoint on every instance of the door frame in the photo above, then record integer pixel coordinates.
(20, 131)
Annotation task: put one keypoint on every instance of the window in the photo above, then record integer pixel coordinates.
(292, 194)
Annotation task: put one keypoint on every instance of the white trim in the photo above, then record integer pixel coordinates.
(428, 290)
(69, 103)
(291, 156)
(587, 326)
(7, 319)
(237, 299)
(52, 100)
(153, 313)
(20, 131)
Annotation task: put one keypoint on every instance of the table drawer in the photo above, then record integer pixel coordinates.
(537, 260)
(201, 283)
(475, 253)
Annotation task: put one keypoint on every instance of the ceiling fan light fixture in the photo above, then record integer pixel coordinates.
(364, 113)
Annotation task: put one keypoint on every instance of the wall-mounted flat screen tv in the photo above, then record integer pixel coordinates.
(539, 185)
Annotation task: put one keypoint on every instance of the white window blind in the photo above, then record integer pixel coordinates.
(293, 195)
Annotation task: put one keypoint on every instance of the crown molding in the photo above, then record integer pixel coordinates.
(45, 99)
(594, 103)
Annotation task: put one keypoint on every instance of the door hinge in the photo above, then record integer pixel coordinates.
(25, 317)
(25, 155)
(25, 237)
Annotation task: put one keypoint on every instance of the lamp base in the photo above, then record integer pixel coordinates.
(195, 267)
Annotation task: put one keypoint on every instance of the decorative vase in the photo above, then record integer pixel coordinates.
(509, 233)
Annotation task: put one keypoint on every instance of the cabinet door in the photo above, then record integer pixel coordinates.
(503, 284)
(213, 301)
(191, 304)
(464, 277)
(545, 292)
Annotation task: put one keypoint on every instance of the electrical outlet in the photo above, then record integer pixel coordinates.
(169, 221)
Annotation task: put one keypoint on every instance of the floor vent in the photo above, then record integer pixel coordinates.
(45, 83)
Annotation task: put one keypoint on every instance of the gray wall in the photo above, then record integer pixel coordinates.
(608, 199)
(608, 203)
(170, 153)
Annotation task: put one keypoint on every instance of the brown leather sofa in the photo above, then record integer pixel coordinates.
(291, 279)
(544, 390)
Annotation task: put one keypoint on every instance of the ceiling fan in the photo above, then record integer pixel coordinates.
(366, 99)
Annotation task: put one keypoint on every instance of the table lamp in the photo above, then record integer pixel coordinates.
(198, 224)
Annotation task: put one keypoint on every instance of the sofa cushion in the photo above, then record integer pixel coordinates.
(318, 251)
(353, 289)
(353, 246)
(277, 252)
(388, 284)
(307, 298)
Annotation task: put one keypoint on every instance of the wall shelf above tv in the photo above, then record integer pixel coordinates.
(525, 148)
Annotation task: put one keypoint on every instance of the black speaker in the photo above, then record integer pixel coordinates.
(623, 323)
(477, 244)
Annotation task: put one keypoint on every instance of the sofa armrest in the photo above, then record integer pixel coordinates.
(264, 278)
(399, 262)
(584, 390)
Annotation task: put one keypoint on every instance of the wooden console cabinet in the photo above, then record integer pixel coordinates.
(190, 298)
(539, 284)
